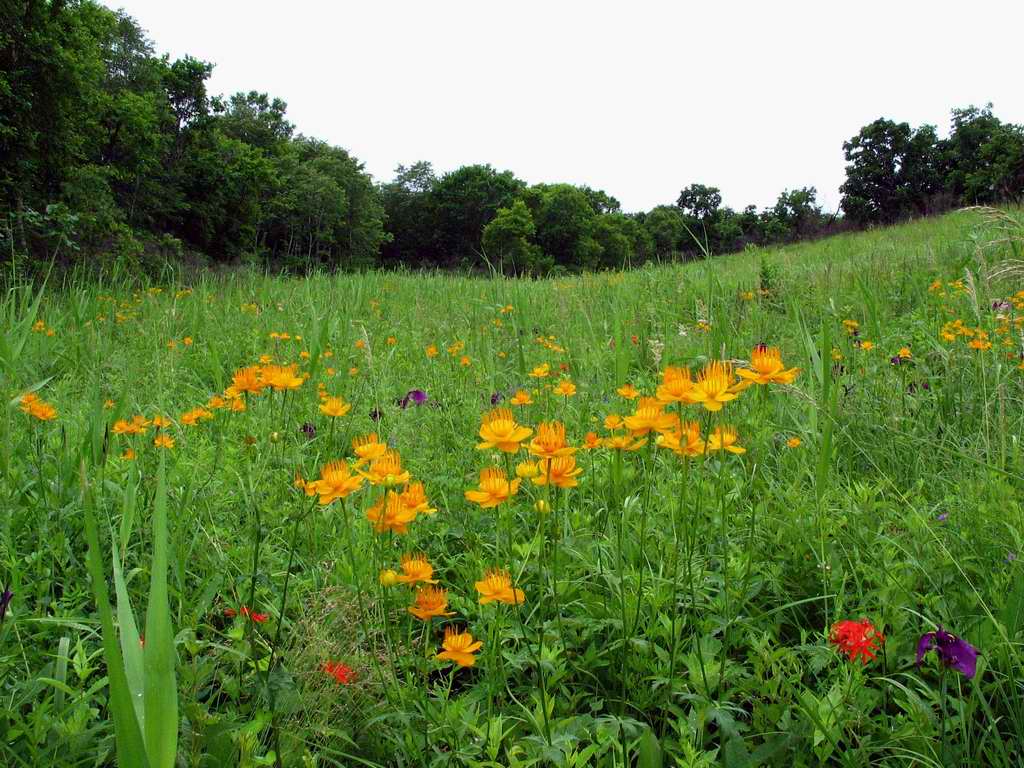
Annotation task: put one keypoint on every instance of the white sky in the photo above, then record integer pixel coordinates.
(637, 98)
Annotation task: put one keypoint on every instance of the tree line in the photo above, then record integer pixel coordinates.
(109, 151)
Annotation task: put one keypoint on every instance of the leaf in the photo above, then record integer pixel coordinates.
(131, 647)
(128, 738)
(161, 690)
(649, 751)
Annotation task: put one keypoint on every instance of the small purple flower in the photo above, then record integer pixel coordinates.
(943, 517)
(309, 430)
(1011, 556)
(954, 652)
(896, 360)
(496, 398)
(413, 396)
(1001, 305)
(376, 415)
(5, 600)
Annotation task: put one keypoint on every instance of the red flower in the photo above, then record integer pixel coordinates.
(857, 639)
(230, 613)
(259, 618)
(340, 671)
(634, 339)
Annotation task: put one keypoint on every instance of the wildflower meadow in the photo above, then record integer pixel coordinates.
(761, 510)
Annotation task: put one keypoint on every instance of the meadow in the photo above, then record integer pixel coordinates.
(759, 509)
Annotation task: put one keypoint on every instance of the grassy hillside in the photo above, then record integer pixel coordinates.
(693, 606)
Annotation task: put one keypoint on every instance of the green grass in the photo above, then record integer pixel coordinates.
(676, 612)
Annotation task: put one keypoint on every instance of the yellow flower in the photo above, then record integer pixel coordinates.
(715, 386)
(416, 569)
(565, 388)
(360, 344)
(527, 470)
(676, 385)
(521, 397)
(904, 353)
(432, 351)
(494, 488)
(649, 415)
(724, 438)
(464, 361)
(628, 391)
(390, 514)
(391, 341)
(979, 344)
(459, 647)
(685, 440)
(591, 440)
(128, 454)
(163, 441)
(851, 326)
(767, 368)
(794, 442)
(541, 371)
(108, 405)
(500, 430)
(496, 587)
(388, 577)
(430, 602)
(368, 447)
(187, 341)
(353, 371)
(336, 482)
(550, 442)
(867, 346)
(216, 401)
(561, 472)
(159, 422)
(387, 470)
(335, 407)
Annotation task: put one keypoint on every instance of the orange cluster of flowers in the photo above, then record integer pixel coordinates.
(36, 407)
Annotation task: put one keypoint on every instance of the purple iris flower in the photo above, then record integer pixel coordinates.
(414, 396)
(376, 415)
(496, 398)
(943, 517)
(896, 360)
(954, 652)
(309, 430)
(5, 600)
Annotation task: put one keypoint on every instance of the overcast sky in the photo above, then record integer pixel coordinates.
(637, 98)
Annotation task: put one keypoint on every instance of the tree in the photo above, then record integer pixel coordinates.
(891, 172)
(508, 235)
(665, 228)
(700, 202)
(564, 218)
(256, 119)
(463, 203)
(409, 209)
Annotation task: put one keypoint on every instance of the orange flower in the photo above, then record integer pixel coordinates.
(432, 351)
(724, 438)
(459, 647)
(649, 415)
(163, 441)
(39, 409)
(281, 377)
(624, 443)
(527, 470)
(414, 497)
(368, 447)
(500, 430)
(191, 418)
(160, 422)
(335, 407)
(684, 439)
(387, 470)
(561, 472)
(613, 421)
(496, 587)
(390, 514)
(794, 442)
(247, 380)
(715, 386)
(591, 440)
(430, 602)
(336, 482)
(521, 397)
(676, 385)
(565, 388)
(767, 368)
(416, 569)
(137, 426)
(549, 442)
(494, 488)
(628, 391)
(540, 372)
